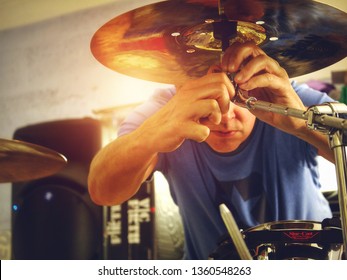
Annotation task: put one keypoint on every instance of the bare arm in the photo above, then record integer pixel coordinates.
(117, 171)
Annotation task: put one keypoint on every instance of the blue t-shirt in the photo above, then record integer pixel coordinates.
(272, 176)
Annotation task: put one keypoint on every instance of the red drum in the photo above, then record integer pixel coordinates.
(288, 240)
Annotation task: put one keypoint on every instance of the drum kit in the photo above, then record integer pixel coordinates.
(176, 40)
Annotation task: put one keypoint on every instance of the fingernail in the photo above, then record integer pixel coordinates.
(238, 77)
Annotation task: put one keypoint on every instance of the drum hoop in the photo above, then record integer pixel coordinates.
(287, 225)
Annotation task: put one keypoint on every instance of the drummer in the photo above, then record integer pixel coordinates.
(261, 165)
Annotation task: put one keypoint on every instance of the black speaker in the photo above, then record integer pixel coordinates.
(130, 227)
(53, 217)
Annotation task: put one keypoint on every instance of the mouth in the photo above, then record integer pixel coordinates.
(224, 134)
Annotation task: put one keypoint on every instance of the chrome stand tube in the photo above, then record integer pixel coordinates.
(338, 144)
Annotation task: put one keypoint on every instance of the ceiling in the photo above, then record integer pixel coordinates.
(16, 13)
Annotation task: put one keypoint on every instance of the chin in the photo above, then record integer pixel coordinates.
(223, 146)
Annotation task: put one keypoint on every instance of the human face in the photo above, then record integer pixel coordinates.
(235, 127)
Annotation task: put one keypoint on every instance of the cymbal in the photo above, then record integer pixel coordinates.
(172, 41)
(21, 161)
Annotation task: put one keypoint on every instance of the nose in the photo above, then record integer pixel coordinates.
(227, 117)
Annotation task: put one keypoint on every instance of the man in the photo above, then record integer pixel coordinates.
(260, 164)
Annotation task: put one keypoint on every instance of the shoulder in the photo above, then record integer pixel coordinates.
(310, 96)
(159, 98)
(163, 95)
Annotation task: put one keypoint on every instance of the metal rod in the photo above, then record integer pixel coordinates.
(252, 103)
(336, 142)
(324, 120)
(235, 233)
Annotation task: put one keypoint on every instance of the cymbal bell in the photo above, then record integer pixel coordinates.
(172, 41)
(21, 161)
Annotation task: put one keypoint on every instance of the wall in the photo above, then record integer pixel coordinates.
(47, 73)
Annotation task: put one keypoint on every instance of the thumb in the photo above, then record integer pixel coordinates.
(197, 132)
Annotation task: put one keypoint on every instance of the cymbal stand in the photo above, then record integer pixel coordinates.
(326, 119)
(338, 142)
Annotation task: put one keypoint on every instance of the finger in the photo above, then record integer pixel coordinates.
(207, 108)
(221, 95)
(258, 65)
(196, 132)
(224, 90)
(213, 86)
(265, 80)
(238, 54)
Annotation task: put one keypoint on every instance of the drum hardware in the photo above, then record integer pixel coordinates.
(21, 161)
(234, 232)
(293, 239)
(295, 243)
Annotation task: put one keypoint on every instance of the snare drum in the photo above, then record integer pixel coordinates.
(288, 240)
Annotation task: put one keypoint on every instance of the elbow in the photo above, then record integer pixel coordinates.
(100, 195)
(101, 200)
(97, 188)
(93, 193)
(96, 193)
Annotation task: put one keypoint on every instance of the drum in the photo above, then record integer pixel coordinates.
(288, 240)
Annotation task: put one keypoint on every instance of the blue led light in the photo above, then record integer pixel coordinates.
(48, 196)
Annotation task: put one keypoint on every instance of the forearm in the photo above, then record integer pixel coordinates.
(317, 139)
(117, 171)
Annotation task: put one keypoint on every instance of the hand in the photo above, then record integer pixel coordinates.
(264, 79)
(206, 97)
